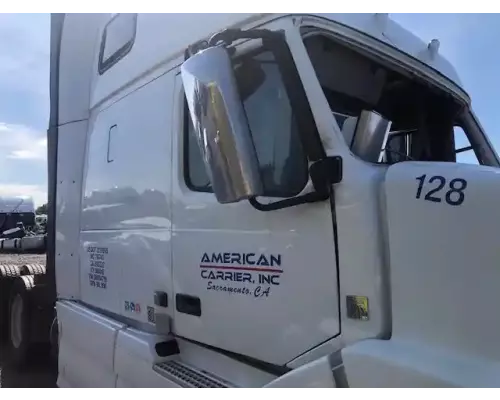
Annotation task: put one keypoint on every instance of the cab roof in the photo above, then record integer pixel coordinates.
(388, 31)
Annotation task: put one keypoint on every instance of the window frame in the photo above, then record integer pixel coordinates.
(466, 149)
(105, 65)
(186, 144)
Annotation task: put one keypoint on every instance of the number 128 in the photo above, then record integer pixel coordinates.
(454, 196)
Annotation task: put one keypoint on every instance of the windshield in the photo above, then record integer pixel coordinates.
(427, 124)
(470, 144)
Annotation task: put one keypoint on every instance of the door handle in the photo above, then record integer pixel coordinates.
(187, 304)
(109, 156)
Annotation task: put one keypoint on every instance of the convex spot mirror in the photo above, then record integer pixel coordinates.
(370, 136)
(220, 122)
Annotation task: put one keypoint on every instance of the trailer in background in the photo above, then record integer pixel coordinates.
(26, 308)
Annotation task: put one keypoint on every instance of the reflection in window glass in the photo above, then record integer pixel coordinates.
(283, 164)
(197, 174)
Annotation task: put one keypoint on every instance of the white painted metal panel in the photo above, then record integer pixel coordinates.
(86, 346)
(444, 252)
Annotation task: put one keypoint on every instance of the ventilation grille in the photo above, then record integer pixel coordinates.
(187, 376)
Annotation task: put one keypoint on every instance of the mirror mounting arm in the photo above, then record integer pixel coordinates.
(312, 197)
(324, 174)
(228, 36)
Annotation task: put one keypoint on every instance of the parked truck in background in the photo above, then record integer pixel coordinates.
(22, 257)
(264, 200)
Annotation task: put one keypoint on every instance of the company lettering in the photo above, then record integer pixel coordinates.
(97, 267)
(226, 275)
(257, 292)
(250, 274)
(270, 260)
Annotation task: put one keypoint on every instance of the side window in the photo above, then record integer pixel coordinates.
(463, 148)
(117, 40)
(282, 160)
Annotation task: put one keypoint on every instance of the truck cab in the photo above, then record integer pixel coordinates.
(15, 211)
(266, 200)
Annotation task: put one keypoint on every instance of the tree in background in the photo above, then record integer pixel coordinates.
(42, 209)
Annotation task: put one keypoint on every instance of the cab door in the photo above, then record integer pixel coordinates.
(259, 284)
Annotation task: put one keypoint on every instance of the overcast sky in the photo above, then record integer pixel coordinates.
(24, 104)
(470, 41)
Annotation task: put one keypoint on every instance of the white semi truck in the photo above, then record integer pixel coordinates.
(266, 200)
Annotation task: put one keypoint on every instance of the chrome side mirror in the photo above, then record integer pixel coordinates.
(370, 136)
(221, 125)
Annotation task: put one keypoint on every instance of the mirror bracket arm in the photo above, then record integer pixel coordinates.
(228, 36)
(312, 197)
(324, 174)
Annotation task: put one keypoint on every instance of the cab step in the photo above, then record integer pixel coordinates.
(188, 376)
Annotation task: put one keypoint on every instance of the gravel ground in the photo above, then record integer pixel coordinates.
(36, 375)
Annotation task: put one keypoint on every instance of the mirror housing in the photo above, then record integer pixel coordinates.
(221, 125)
(370, 136)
